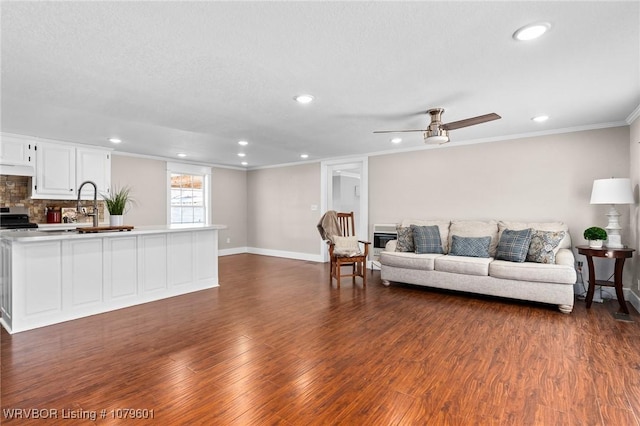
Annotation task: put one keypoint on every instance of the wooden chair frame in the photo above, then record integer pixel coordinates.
(358, 263)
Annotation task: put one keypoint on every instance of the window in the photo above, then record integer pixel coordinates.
(188, 189)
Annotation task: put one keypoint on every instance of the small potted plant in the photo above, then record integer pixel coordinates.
(595, 236)
(116, 203)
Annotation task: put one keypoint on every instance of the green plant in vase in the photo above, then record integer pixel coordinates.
(116, 203)
(595, 236)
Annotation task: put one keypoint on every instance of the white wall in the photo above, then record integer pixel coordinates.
(532, 179)
(147, 179)
(229, 205)
(279, 215)
(632, 270)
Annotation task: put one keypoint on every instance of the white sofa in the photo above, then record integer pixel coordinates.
(550, 283)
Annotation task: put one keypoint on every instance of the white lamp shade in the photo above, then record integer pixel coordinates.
(612, 191)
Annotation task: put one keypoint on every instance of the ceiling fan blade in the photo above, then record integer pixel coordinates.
(470, 121)
(397, 131)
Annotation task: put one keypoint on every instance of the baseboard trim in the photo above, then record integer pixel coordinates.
(632, 298)
(287, 254)
(232, 251)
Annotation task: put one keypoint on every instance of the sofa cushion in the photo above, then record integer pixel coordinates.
(426, 239)
(543, 245)
(536, 272)
(470, 246)
(514, 245)
(463, 264)
(540, 226)
(398, 259)
(443, 227)
(405, 239)
(474, 228)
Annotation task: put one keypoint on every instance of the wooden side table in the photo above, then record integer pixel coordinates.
(610, 253)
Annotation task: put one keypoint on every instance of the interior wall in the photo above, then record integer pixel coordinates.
(279, 213)
(229, 206)
(147, 179)
(531, 179)
(634, 158)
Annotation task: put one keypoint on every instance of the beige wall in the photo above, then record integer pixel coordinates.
(537, 179)
(229, 206)
(279, 208)
(147, 179)
(633, 270)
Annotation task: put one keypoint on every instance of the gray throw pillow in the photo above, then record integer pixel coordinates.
(405, 239)
(470, 246)
(427, 239)
(542, 248)
(514, 245)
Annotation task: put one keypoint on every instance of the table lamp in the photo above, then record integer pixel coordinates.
(612, 191)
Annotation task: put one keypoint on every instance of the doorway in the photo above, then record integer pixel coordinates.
(345, 189)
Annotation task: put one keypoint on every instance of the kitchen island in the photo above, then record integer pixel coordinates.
(47, 277)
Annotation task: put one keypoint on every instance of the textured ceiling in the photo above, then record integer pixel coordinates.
(196, 77)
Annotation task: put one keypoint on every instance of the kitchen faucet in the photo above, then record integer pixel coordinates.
(95, 202)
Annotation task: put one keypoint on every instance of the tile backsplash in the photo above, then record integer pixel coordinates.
(15, 190)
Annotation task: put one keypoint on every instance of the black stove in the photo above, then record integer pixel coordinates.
(15, 218)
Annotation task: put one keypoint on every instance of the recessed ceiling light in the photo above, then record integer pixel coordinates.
(241, 154)
(396, 140)
(182, 154)
(540, 118)
(304, 155)
(244, 163)
(115, 140)
(531, 31)
(243, 143)
(304, 99)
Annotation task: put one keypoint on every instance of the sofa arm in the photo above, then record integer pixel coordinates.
(391, 245)
(565, 257)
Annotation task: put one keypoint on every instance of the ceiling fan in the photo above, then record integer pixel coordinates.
(438, 132)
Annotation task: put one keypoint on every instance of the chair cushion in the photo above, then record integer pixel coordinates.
(514, 245)
(470, 246)
(426, 239)
(346, 246)
(542, 248)
(405, 239)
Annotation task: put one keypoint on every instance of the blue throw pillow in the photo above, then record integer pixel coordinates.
(514, 245)
(471, 247)
(426, 239)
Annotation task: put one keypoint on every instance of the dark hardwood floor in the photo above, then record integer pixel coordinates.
(275, 344)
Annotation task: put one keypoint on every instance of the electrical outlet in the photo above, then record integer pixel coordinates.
(228, 240)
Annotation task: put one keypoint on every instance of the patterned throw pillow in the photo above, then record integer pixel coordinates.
(543, 245)
(470, 246)
(427, 239)
(345, 246)
(405, 239)
(514, 245)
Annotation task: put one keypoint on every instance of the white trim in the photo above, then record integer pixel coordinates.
(364, 195)
(188, 168)
(286, 254)
(632, 298)
(232, 251)
(634, 114)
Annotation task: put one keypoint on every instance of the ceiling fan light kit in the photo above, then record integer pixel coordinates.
(438, 133)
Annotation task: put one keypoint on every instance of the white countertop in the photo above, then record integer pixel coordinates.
(60, 233)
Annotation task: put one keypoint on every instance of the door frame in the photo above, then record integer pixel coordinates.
(325, 191)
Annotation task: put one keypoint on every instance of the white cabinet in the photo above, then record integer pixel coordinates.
(55, 171)
(15, 151)
(94, 165)
(61, 169)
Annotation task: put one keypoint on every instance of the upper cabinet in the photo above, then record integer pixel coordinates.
(61, 169)
(93, 165)
(15, 151)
